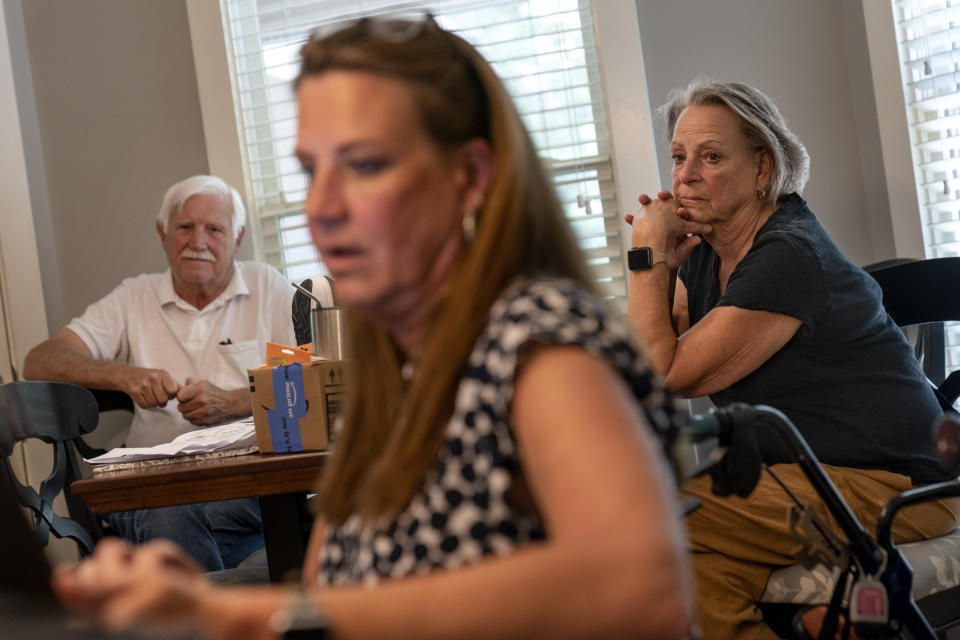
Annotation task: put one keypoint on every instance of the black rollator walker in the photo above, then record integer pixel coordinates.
(872, 591)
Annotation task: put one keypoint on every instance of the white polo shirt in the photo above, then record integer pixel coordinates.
(144, 323)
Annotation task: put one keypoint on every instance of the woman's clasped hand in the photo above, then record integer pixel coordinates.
(662, 221)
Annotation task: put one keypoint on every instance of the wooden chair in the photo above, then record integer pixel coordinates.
(55, 413)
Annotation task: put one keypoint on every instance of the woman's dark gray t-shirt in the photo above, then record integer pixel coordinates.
(847, 379)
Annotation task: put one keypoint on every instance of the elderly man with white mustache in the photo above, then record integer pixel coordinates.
(180, 343)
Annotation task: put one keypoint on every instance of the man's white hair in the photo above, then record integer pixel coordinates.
(179, 193)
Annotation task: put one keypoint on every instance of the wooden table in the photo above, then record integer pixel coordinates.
(280, 481)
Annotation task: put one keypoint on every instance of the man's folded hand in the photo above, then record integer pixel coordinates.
(150, 387)
(204, 403)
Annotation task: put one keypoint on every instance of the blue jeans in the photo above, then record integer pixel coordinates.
(217, 534)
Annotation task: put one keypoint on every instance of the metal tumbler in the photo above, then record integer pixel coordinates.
(326, 331)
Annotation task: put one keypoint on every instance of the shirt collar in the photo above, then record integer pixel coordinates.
(236, 287)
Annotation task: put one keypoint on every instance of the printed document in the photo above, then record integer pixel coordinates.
(224, 437)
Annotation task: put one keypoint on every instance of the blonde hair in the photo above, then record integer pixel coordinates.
(391, 436)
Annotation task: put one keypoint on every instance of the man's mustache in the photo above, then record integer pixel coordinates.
(191, 254)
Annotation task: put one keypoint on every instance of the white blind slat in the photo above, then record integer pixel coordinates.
(543, 50)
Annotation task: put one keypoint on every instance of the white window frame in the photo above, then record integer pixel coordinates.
(628, 108)
(894, 130)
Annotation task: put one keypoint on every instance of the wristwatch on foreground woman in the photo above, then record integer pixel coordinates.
(643, 258)
(302, 619)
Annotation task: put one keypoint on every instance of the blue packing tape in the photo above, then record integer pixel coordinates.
(290, 404)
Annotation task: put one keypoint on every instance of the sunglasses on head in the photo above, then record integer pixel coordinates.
(390, 27)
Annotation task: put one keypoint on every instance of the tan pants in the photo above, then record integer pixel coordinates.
(736, 542)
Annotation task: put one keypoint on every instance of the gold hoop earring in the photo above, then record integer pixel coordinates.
(470, 224)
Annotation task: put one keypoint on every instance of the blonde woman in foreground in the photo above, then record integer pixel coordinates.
(500, 469)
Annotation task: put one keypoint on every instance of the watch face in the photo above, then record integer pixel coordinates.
(639, 258)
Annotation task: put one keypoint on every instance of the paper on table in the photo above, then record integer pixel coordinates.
(233, 435)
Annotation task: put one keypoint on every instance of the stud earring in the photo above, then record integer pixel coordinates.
(761, 194)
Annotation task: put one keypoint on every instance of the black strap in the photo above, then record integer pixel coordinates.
(830, 622)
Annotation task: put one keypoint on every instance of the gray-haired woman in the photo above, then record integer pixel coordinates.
(739, 294)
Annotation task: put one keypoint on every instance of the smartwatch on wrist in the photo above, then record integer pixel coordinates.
(643, 258)
(303, 619)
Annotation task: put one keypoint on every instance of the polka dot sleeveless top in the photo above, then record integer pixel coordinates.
(462, 513)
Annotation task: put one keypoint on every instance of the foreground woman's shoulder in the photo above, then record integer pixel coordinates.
(548, 296)
(560, 312)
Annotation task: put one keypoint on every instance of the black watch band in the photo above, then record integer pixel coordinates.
(643, 258)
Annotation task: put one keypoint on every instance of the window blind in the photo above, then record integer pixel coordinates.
(928, 38)
(545, 52)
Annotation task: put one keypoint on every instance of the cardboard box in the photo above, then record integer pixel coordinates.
(295, 406)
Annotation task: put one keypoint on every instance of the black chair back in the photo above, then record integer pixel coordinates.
(107, 400)
(926, 293)
(55, 413)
